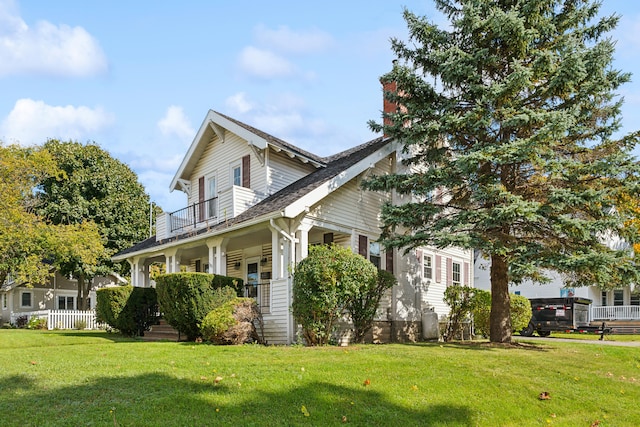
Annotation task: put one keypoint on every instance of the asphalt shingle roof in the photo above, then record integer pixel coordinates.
(334, 165)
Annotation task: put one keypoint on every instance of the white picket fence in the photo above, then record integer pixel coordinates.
(63, 319)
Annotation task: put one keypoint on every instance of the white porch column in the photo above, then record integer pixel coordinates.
(302, 237)
(132, 268)
(276, 254)
(170, 258)
(217, 264)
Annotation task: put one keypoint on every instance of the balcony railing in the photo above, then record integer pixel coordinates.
(191, 216)
(616, 312)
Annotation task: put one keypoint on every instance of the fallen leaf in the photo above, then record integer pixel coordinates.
(344, 418)
(217, 380)
(203, 378)
(304, 411)
(366, 382)
(33, 362)
(596, 423)
(414, 387)
(544, 396)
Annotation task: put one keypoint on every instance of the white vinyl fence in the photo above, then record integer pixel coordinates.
(62, 319)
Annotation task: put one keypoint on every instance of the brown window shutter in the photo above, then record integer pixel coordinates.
(389, 260)
(466, 274)
(246, 171)
(449, 272)
(439, 268)
(200, 199)
(327, 238)
(363, 243)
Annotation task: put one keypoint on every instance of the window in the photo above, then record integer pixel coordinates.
(4, 300)
(635, 298)
(618, 297)
(427, 267)
(455, 276)
(236, 174)
(65, 303)
(603, 298)
(25, 299)
(212, 204)
(374, 254)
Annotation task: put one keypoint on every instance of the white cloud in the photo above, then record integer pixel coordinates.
(264, 63)
(46, 48)
(33, 122)
(176, 123)
(239, 103)
(284, 39)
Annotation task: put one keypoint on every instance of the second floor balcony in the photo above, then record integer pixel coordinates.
(193, 216)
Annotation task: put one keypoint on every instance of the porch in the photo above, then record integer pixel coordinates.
(615, 312)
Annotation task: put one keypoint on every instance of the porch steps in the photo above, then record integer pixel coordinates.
(621, 327)
(162, 332)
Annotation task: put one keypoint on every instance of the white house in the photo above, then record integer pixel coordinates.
(255, 204)
(619, 304)
(58, 293)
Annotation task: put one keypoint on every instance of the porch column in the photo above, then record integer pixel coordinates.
(276, 253)
(132, 268)
(302, 237)
(217, 264)
(170, 258)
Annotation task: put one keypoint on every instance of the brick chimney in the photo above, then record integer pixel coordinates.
(388, 106)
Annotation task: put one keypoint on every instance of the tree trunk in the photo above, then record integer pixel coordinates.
(500, 320)
(81, 293)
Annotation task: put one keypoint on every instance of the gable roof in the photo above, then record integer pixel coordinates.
(297, 196)
(219, 124)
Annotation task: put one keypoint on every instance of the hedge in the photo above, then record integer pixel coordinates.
(186, 298)
(131, 310)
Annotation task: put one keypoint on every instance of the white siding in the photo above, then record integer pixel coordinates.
(284, 170)
(276, 322)
(217, 159)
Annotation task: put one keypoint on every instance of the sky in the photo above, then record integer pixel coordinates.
(138, 77)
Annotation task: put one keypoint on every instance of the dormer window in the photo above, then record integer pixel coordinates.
(236, 174)
(240, 172)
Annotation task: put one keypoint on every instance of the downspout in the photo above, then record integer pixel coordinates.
(291, 254)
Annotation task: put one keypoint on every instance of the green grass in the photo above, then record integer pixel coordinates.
(97, 379)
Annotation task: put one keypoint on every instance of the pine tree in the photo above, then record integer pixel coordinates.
(510, 116)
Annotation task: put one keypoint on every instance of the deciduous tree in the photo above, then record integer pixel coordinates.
(509, 121)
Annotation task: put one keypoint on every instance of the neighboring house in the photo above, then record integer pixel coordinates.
(60, 293)
(619, 304)
(255, 205)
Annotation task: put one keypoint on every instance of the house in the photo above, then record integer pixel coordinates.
(59, 293)
(255, 204)
(621, 304)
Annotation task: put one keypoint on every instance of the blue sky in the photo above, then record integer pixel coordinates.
(138, 77)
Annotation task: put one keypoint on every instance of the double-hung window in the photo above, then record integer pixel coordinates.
(427, 266)
(455, 273)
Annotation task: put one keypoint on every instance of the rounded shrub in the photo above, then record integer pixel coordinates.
(131, 310)
(520, 309)
(186, 298)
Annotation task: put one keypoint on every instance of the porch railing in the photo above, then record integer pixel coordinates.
(616, 312)
(261, 292)
(193, 215)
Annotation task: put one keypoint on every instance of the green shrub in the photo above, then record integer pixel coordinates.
(520, 312)
(363, 305)
(36, 322)
(218, 320)
(520, 309)
(186, 298)
(80, 324)
(459, 298)
(233, 322)
(129, 309)
(323, 285)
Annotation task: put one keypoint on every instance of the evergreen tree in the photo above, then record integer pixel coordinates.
(508, 119)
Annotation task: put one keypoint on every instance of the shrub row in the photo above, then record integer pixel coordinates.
(129, 309)
(186, 298)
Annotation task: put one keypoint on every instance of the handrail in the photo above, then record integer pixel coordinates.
(193, 215)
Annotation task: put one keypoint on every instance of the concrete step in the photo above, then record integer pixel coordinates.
(161, 332)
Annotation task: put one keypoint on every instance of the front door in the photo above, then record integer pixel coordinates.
(252, 280)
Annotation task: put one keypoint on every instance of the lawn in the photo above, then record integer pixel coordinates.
(98, 379)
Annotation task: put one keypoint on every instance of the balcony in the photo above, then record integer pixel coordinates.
(191, 217)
